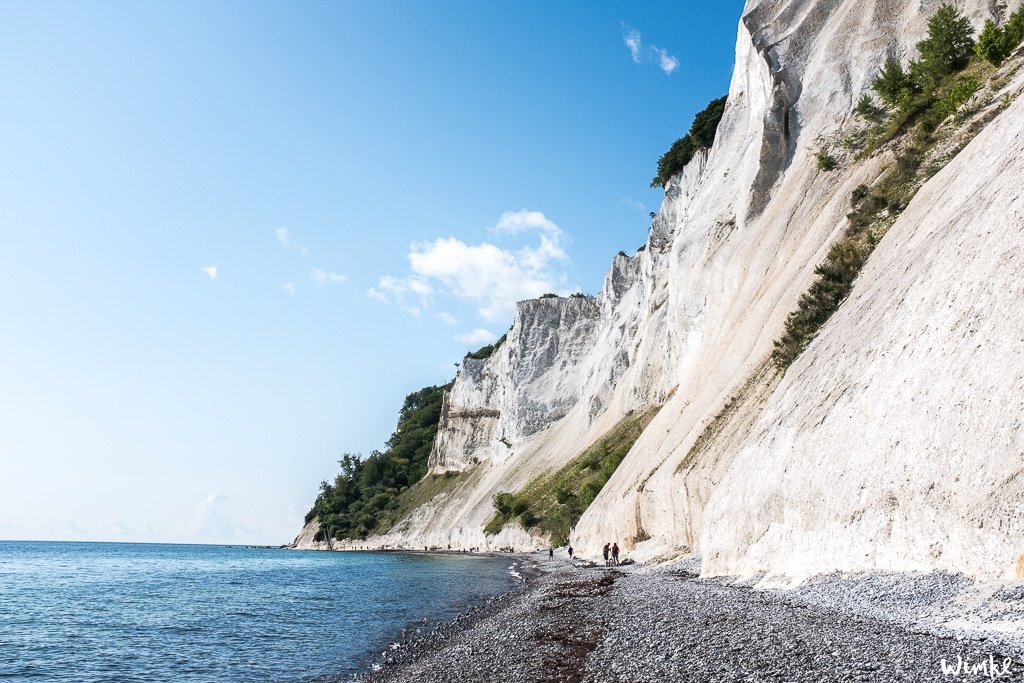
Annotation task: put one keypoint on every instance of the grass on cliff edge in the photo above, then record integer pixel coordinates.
(485, 352)
(552, 502)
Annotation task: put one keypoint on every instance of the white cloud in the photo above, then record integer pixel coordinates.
(289, 287)
(512, 222)
(285, 238)
(492, 277)
(644, 53)
(447, 318)
(667, 62)
(211, 272)
(322, 278)
(477, 336)
(410, 294)
(634, 43)
(633, 204)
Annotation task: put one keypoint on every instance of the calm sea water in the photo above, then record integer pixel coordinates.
(140, 612)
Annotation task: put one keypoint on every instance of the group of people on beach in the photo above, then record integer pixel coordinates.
(611, 554)
(551, 553)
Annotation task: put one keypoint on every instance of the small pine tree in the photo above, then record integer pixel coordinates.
(826, 162)
(867, 109)
(892, 83)
(1013, 33)
(947, 48)
(991, 43)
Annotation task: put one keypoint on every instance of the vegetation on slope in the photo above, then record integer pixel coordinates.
(701, 136)
(367, 495)
(553, 502)
(915, 103)
(487, 351)
(996, 43)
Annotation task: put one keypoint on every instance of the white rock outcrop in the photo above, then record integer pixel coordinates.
(530, 381)
(896, 440)
(893, 443)
(306, 539)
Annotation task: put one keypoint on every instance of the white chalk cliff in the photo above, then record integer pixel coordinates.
(894, 442)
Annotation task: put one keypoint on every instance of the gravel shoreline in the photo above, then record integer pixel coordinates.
(573, 624)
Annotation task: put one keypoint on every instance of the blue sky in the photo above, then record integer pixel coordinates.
(235, 235)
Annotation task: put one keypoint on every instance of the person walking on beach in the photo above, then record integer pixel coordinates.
(551, 553)
(570, 553)
(615, 553)
(605, 552)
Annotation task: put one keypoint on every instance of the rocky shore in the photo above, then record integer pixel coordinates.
(571, 623)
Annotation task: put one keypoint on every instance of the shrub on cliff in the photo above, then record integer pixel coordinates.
(996, 43)
(488, 350)
(701, 135)
(826, 162)
(893, 84)
(833, 285)
(1014, 31)
(992, 43)
(867, 109)
(955, 97)
(946, 49)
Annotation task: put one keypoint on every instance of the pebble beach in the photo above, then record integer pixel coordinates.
(577, 623)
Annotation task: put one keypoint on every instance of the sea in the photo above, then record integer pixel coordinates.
(153, 612)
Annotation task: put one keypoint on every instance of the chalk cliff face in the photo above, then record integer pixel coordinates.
(532, 380)
(789, 484)
(895, 441)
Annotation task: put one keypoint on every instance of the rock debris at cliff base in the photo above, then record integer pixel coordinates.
(589, 625)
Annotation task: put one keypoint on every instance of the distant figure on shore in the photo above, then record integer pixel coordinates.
(615, 553)
(570, 552)
(605, 551)
(551, 553)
